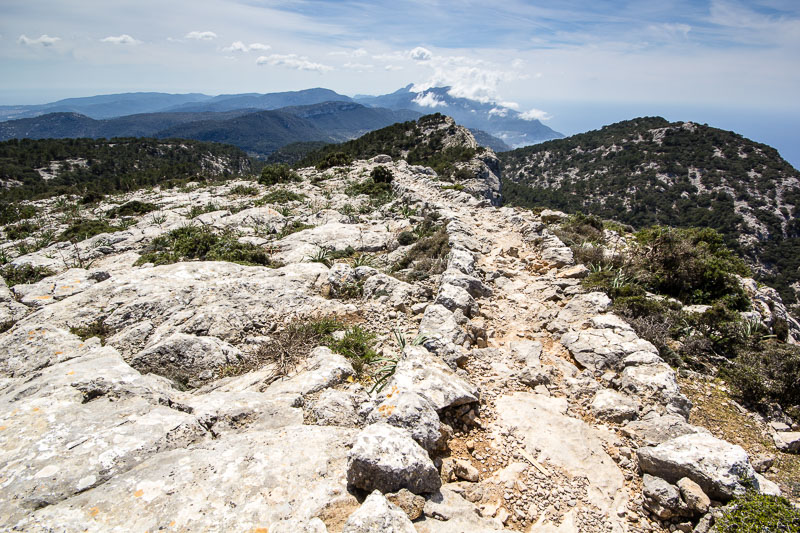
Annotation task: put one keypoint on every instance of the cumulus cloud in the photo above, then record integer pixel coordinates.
(201, 35)
(429, 100)
(292, 61)
(358, 52)
(44, 40)
(420, 54)
(535, 114)
(121, 39)
(498, 111)
(239, 46)
(391, 68)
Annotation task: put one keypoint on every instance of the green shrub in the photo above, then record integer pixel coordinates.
(358, 345)
(193, 242)
(380, 192)
(406, 237)
(456, 187)
(768, 372)
(243, 190)
(81, 230)
(692, 265)
(198, 210)
(579, 229)
(759, 513)
(381, 174)
(13, 212)
(96, 329)
(134, 207)
(17, 275)
(336, 159)
(274, 174)
(280, 196)
(20, 230)
(293, 227)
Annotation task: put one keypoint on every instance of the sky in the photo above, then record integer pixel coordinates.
(575, 64)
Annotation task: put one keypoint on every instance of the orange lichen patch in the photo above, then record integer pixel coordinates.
(64, 287)
(3, 428)
(386, 410)
(94, 511)
(70, 372)
(392, 391)
(44, 297)
(59, 353)
(261, 530)
(138, 493)
(172, 524)
(35, 409)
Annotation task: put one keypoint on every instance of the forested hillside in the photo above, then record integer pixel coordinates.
(39, 168)
(648, 171)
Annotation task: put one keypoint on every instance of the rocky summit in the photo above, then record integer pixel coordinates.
(350, 349)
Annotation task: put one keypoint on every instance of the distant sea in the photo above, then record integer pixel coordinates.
(777, 128)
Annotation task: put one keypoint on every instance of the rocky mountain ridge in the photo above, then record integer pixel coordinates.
(648, 171)
(136, 395)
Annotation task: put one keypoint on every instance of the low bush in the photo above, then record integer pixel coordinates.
(381, 174)
(96, 329)
(406, 237)
(765, 373)
(759, 513)
(134, 207)
(336, 159)
(18, 275)
(427, 257)
(243, 190)
(358, 345)
(200, 243)
(280, 196)
(380, 192)
(293, 227)
(274, 174)
(20, 230)
(81, 230)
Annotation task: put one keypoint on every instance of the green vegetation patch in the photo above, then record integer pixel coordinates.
(132, 208)
(427, 257)
(201, 243)
(98, 329)
(17, 275)
(83, 229)
(280, 196)
(759, 513)
(280, 173)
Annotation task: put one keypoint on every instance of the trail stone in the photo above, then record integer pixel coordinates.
(614, 406)
(414, 413)
(787, 441)
(377, 515)
(439, 324)
(655, 429)
(422, 373)
(388, 459)
(661, 498)
(694, 496)
(410, 503)
(715, 465)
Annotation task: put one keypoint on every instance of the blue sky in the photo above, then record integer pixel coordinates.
(719, 58)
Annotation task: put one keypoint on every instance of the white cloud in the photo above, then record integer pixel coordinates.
(239, 46)
(535, 114)
(122, 39)
(391, 68)
(358, 52)
(44, 40)
(420, 54)
(510, 105)
(358, 66)
(201, 35)
(429, 100)
(498, 111)
(292, 61)
(669, 32)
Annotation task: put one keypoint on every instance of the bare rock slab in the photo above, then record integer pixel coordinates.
(388, 459)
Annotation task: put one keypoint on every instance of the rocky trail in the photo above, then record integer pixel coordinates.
(525, 405)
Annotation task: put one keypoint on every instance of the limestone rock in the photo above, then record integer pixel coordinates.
(448, 512)
(333, 236)
(338, 408)
(439, 324)
(452, 298)
(614, 406)
(377, 515)
(655, 429)
(186, 358)
(662, 499)
(715, 465)
(601, 349)
(787, 441)
(694, 496)
(411, 411)
(422, 373)
(410, 503)
(388, 459)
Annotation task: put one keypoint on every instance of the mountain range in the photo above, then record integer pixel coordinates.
(309, 115)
